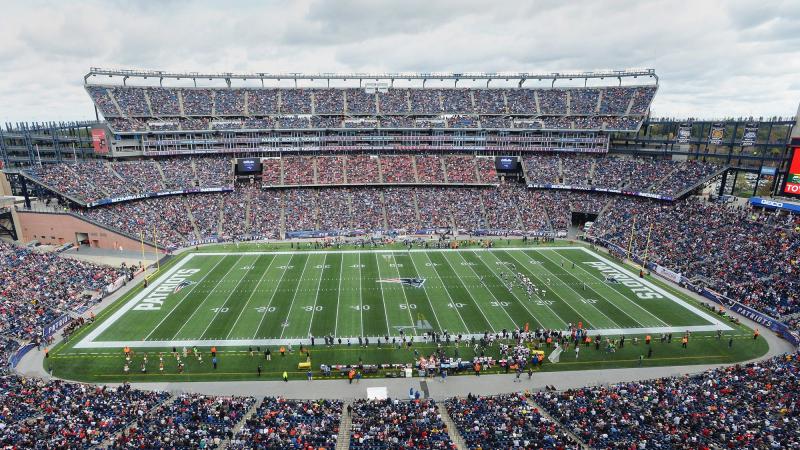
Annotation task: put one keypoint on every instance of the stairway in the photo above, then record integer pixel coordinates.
(483, 212)
(343, 439)
(194, 171)
(350, 208)
(107, 443)
(246, 103)
(630, 105)
(221, 220)
(110, 168)
(191, 220)
(282, 224)
(163, 177)
(238, 427)
(452, 430)
(670, 174)
(599, 101)
(180, 102)
(213, 103)
(416, 208)
(416, 174)
(547, 416)
(116, 105)
(380, 170)
(249, 202)
(444, 168)
(536, 97)
(149, 105)
(569, 102)
(383, 212)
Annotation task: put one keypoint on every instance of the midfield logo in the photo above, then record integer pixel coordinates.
(413, 282)
(182, 285)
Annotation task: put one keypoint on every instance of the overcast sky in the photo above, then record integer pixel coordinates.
(715, 58)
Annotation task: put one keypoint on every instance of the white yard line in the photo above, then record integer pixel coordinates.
(403, 288)
(690, 307)
(338, 298)
(560, 298)
(513, 292)
(316, 296)
(584, 298)
(99, 329)
(246, 342)
(383, 299)
(227, 299)
(413, 250)
(500, 305)
(580, 266)
(475, 302)
(291, 305)
(161, 280)
(360, 294)
(88, 341)
(427, 297)
(205, 299)
(252, 294)
(272, 297)
(452, 302)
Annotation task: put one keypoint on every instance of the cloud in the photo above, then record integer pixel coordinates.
(715, 58)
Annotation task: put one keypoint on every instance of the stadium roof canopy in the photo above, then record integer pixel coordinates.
(361, 77)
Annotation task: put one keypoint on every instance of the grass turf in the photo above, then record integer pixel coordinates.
(260, 295)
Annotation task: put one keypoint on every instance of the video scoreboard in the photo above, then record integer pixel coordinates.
(792, 184)
(248, 166)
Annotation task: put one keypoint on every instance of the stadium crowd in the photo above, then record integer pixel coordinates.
(38, 287)
(752, 257)
(666, 177)
(130, 108)
(755, 405)
(184, 422)
(505, 421)
(396, 424)
(95, 180)
(281, 423)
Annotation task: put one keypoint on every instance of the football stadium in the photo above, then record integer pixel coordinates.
(386, 260)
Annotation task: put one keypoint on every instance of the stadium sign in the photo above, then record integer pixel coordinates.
(55, 325)
(750, 135)
(125, 198)
(668, 274)
(684, 133)
(717, 134)
(773, 204)
(569, 187)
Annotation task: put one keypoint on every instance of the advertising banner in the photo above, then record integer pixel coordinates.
(684, 133)
(668, 274)
(55, 325)
(717, 134)
(750, 135)
(99, 141)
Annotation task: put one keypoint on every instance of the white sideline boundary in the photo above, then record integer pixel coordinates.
(89, 341)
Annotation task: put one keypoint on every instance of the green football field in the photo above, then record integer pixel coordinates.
(270, 298)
